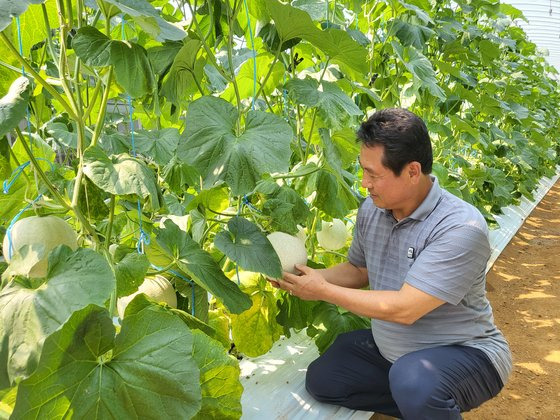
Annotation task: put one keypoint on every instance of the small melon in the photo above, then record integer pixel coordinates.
(157, 288)
(333, 235)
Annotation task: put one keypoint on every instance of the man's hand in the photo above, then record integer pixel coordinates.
(310, 285)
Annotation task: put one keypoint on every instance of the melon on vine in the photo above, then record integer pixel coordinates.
(333, 235)
(49, 231)
(157, 288)
(290, 249)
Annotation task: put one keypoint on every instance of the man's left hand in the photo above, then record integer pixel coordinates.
(309, 285)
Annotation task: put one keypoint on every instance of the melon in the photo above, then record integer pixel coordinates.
(290, 249)
(333, 235)
(49, 231)
(157, 288)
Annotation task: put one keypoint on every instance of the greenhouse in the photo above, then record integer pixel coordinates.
(269, 209)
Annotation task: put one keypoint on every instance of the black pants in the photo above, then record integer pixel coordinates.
(434, 383)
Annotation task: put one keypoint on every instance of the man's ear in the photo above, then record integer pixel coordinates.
(414, 171)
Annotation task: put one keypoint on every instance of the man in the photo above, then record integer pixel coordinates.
(433, 350)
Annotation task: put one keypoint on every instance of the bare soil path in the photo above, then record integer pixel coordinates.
(524, 289)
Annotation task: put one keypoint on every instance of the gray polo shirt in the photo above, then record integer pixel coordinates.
(442, 249)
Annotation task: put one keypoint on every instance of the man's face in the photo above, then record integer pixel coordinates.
(387, 190)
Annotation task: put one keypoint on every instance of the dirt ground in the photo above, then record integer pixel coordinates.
(524, 289)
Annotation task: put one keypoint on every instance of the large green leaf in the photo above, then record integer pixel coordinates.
(130, 273)
(120, 174)
(93, 47)
(246, 245)
(421, 68)
(287, 209)
(255, 330)
(334, 197)
(28, 314)
(290, 22)
(342, 49)
(157, 145)
(335, 107)
(146, 371)
(329, 321)
(13, 105)
(10, 9)
(219, 378)
(132, 68)
(185, 73)
(213, 145)
(149, 19)
(174, 245)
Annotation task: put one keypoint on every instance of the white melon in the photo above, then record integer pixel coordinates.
(290, 249)
(333, 235)
(157, 288)
(49, 231)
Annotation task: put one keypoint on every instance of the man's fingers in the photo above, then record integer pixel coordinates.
(273, 282)
(304, 269)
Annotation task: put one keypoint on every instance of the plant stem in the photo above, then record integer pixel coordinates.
(231, 18)
(205, 45)
(92, 100)
(38, 78)
(40, 172)
(49, 36)
(109, 229)
(270, 69)
(102, 110)
(315, 111)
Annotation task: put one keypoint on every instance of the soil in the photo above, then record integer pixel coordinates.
(524, 289)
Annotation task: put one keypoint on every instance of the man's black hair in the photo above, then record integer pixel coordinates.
(402, 134)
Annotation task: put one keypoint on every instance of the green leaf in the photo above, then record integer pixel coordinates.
(149, 19)
(287, 209)
(295, 313)
(219, 378)
(329, 321)
(10, 9)
(421, 68)
(88, 371)
(158, 145)
(161, 57)
(178, 246)
(412, 34)
(333, 197)
(120, 174)
(246, 245)
(184, 74)
(346, 146)
(212, 145)
(28, 315)
(342, 49)
(335, 107)
(13, 105)
(92, 47)
(258, 322)
(130, 273)
(290, 22)
(7, 402)
(179, 175)
(132, 68)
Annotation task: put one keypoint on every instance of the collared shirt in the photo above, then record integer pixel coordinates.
(441, 249)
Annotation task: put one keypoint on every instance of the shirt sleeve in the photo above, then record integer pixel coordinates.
(449, 266)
